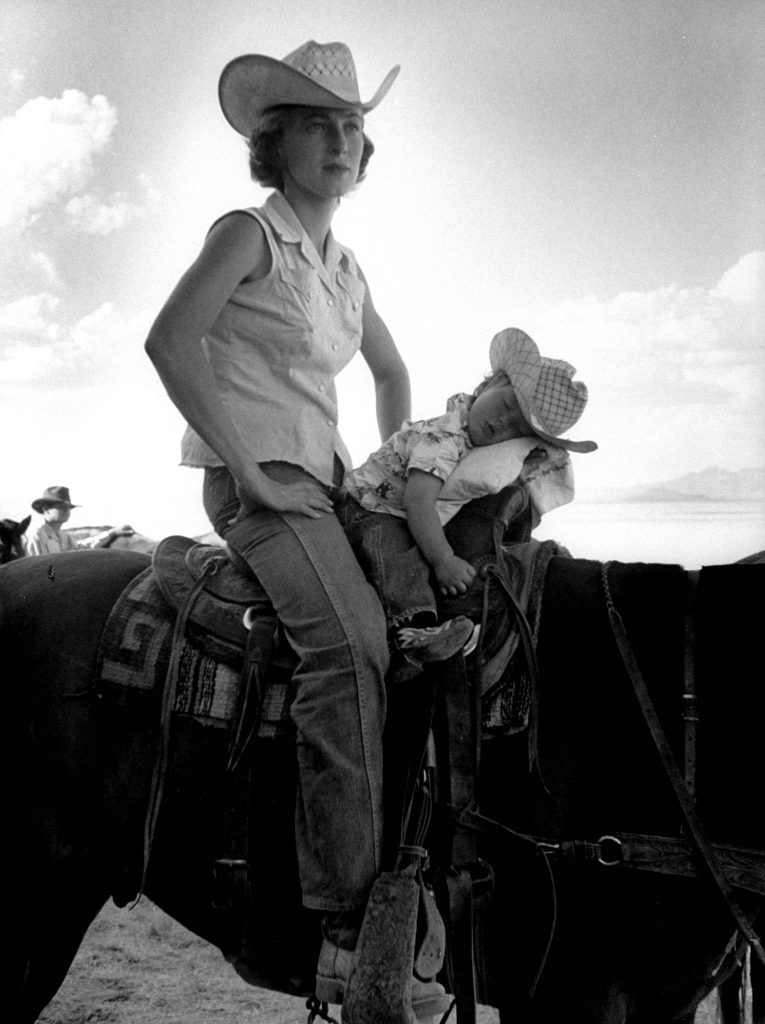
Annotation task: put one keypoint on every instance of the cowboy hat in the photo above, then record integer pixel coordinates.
(314, 75)
(549, 398)
(54, 496)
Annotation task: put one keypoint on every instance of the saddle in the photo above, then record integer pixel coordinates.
(222, 598)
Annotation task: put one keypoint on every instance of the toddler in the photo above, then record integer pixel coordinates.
(393, 522)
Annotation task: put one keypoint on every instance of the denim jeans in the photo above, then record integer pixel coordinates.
(391, 560)
(335, 624)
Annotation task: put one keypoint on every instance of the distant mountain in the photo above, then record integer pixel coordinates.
(711, 484)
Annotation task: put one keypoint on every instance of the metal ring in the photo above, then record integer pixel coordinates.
(617, 855)
(249, 616)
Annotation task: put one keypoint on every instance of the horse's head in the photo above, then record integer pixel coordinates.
(11, 544)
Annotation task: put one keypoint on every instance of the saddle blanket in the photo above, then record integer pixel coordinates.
(135, 653)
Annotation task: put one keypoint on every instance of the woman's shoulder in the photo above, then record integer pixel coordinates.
(241, 240)
(244, 219)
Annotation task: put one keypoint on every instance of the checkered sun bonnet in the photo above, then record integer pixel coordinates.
(557, 400)
(551, 401)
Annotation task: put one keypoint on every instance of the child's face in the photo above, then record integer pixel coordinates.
(496, 416)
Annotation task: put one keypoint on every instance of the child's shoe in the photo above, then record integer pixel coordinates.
(435, 643)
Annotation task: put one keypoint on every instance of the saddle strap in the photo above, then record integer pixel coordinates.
(693, 822)
(499, 572)
(159, 770)
(457, 735)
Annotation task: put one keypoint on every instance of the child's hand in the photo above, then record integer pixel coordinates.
(454, 575)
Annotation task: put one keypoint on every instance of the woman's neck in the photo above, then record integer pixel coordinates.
(314, 214)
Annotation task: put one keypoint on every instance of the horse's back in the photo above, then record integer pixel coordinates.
(50, 602)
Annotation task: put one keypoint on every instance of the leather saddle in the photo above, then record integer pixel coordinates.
(227, 598)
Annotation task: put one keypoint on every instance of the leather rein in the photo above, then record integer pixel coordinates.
(683, 786)
(726, 866)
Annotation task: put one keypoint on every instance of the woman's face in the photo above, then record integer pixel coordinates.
(321, 150)
(496, 416)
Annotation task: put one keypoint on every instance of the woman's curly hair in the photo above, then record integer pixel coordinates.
(266, 164)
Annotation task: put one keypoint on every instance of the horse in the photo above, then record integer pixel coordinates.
(11, 544)
(566, 934)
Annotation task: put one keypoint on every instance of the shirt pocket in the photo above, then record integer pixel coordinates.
(298, 289)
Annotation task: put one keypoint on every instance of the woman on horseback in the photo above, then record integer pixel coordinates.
(248, 347)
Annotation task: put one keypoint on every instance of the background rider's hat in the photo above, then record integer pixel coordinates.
(314, 75)
(549, 398)
(54, 496)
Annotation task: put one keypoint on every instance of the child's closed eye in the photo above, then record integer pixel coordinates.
(536, 455)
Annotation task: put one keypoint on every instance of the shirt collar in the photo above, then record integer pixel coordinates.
(459, 407)
(286, 224)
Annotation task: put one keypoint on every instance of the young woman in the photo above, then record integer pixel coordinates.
(248, 347)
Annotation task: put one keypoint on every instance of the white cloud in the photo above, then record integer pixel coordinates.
(676, 375)
(30, 320)
(90, 216)
(657, 344)
(16, 79)
(41, 261)
(47, 151)
(36, 349)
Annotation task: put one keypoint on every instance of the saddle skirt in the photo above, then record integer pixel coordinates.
(135, 653)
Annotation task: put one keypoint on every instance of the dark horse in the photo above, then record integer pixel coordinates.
(617, 944)
(11, 544)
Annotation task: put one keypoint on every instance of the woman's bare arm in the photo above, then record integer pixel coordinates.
(391, 377)
(236, 248)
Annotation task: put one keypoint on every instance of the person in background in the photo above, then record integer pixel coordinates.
(248, 347)
(55, 506)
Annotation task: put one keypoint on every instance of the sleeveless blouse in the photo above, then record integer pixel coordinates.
(277, 346)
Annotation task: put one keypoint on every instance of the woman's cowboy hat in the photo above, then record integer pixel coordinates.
(54, 496)
(314, 75)
(549, 398)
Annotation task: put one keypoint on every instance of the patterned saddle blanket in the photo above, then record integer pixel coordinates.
(136, 646)
(135, 654)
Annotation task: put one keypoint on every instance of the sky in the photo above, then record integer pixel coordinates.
(592, 171)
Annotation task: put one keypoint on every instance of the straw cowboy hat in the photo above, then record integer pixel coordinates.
(549, 398)
(54, 496)
(314, 75)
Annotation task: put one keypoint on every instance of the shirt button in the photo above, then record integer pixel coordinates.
(321, 387)
(335, 347)
(330, 302)
(356, 305)
(330, 423)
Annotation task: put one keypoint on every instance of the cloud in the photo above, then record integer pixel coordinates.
(16, 79)
(36, 349)
(671, 346)
(47, 151)
(676, 376)
(29, 320)
(91, 217)
(41, 261)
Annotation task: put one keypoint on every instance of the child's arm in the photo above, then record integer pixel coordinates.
(454, 574)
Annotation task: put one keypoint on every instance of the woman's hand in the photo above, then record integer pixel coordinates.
(454, 575)
(304, 496)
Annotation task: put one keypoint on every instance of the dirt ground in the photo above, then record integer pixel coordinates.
(140, 967)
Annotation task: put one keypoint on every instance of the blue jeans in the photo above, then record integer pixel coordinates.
(335, 624)
(391, 561)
